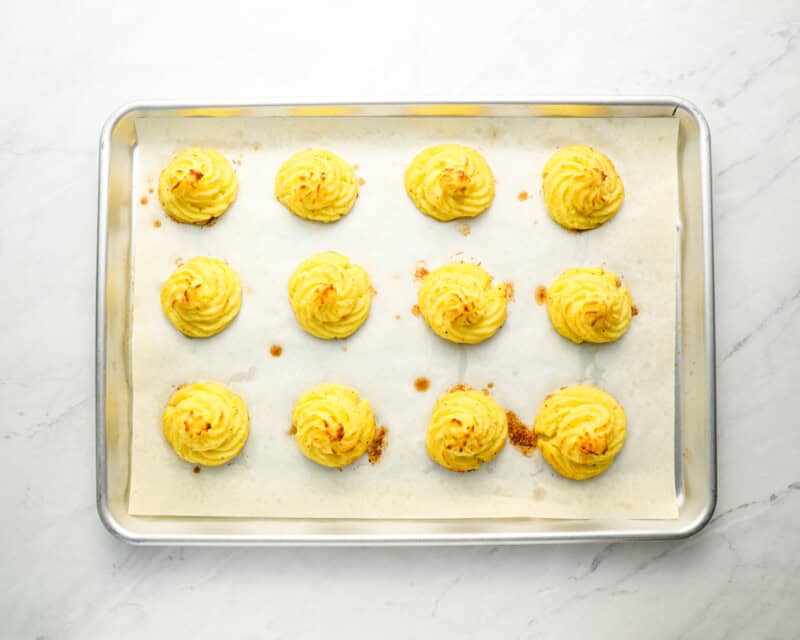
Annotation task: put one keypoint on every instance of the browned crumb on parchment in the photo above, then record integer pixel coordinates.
(541, 294)
(355, 167)
(509, 290)
(521, 436)
(256, 146)
(344, 348)
(373, 291)
(522, 196)
(196, 469)
(422, 384)
(292, 430)
(150, 190)
(490, 385)
(464, 229)
(420, 271)
(415, 310)
(634, 311)
(396, 316)
(143, 200)
(178, 262)
(361, 182)
(276, 350)
(157, 223)
(378, 444)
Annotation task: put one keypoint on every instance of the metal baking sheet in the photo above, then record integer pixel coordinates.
(529, 529)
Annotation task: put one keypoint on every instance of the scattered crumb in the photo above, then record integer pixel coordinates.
(634, 310)
(256, 146)
(355, 167)
(178, 262)
(490, 385)
(396, 316)
(361, 182)
(378, 444)
(535, 221)
(156, 223)
(541, 294)
(562, 388)
(150, 190)
(420, 270)
(373, 291)
(509, 290)
(522, 196)
(344, 348)
(415, 310)
(292, 430)
(422, 384)
(196, 469)
(464, 229)
(276, 350)
(237, 162)
(618, 283)
(143, 200)
(519, 435)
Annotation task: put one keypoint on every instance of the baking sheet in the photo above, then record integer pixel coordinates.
(514, 240)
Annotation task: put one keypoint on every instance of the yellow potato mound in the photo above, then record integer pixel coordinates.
(197, 186)
(201, 297)
(331, 296)
(580, 431)
(317, 185)
(206, 423)
(461, 304)
(582, 189)
(467, 429)
(449, 181)
(332, 425)
(589, 304)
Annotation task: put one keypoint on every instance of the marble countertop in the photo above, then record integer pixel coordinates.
(63, 576)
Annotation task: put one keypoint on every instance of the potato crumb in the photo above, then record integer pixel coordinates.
(519, 435)
(522, 196)
(378, 444)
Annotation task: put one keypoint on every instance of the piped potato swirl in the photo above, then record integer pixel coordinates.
(332, 425)
(461, 304)
(206, 423)
(589, 304)
(202, 297)
(449, 181)
(580, 431)
(467, 428)
(316, 184)
(330, 296)
(582, 188)
(197, 186)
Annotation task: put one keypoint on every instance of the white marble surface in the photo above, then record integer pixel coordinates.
(63, 576)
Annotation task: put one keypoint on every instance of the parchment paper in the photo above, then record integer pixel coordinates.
(515, 240)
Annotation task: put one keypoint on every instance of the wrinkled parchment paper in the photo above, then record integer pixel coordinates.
(515, 241)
